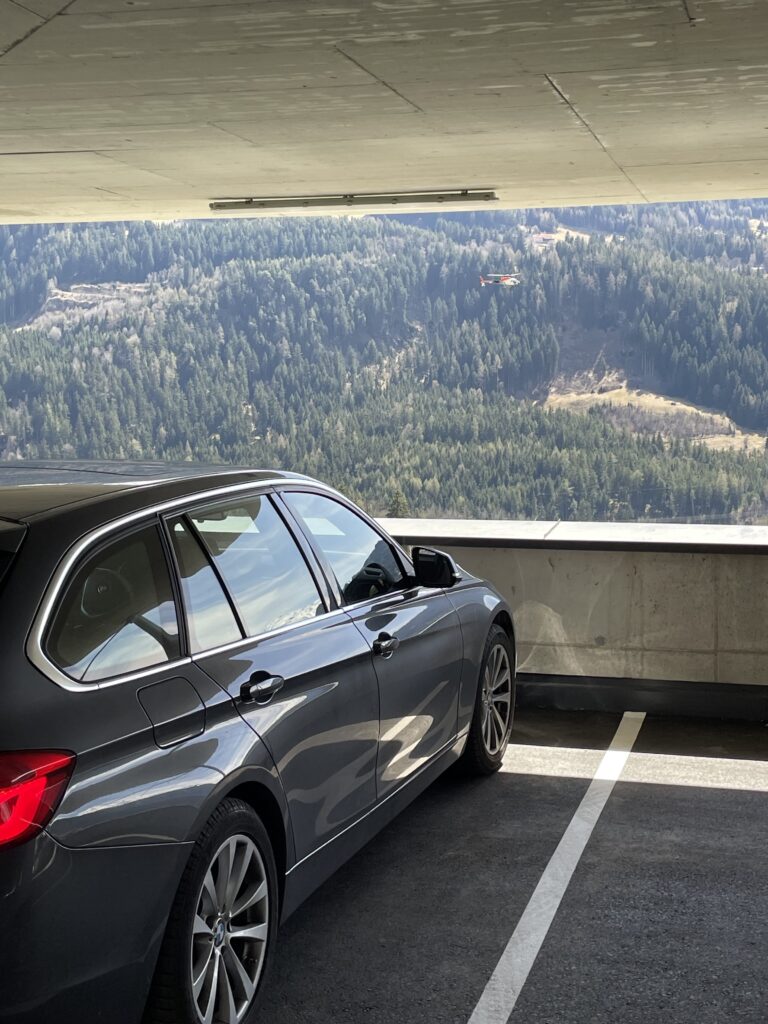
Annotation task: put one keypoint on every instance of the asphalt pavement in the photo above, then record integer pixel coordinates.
(664, 917)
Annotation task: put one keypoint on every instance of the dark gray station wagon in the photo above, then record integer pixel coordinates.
(216, 685)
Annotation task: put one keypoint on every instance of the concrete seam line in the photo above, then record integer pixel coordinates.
(505, 984)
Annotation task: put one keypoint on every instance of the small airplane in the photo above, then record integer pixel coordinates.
(508, 280)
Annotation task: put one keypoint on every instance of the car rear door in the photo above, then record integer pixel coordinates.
(413, 634)
(297, 668)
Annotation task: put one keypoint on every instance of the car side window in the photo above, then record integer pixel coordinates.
(117, 614)
(259, 562)
(210, 619)
(364, 563)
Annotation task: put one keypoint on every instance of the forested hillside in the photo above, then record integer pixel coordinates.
(364, 350)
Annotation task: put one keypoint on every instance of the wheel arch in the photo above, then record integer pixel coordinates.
(260, 788)
(259, 797)
(504, 619)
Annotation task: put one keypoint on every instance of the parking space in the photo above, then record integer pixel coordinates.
(664, 918)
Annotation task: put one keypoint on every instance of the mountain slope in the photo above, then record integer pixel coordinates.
(365, 351)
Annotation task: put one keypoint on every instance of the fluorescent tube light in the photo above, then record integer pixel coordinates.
(458, 195)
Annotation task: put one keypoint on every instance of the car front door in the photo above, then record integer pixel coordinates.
(296, 667)
(413, 634)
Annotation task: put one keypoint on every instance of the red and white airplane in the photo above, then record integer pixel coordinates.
(509, 280)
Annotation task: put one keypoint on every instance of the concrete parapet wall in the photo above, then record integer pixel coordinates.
(680, 603)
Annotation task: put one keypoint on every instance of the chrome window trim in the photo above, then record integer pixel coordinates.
(250, 641)
(34, 644)
(409, 593)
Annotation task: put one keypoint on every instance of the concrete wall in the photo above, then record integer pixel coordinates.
(675, 603)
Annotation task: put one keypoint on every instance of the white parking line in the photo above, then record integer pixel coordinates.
(500, 995)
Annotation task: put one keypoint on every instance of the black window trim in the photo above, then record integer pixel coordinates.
(178, 597)
(402, 559)
(308, 542)
(195, 536)
(307, 553)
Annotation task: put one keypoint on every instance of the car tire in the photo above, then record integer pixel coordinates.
(221, 930)
(495, 697)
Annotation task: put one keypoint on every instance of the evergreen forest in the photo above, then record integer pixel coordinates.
(364, 351)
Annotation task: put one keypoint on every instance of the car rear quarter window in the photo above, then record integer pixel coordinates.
(260, 564)
(117, 613)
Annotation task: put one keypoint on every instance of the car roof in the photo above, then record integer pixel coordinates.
(33, 488)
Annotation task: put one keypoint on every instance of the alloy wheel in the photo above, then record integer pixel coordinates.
(229, 936)
(496, 700)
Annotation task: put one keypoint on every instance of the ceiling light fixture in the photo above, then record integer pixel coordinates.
(457, 195)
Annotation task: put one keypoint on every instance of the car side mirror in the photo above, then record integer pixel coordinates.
(434, 568)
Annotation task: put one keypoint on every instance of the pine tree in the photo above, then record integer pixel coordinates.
(398, 505)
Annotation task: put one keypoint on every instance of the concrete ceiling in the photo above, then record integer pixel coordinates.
(126, 109)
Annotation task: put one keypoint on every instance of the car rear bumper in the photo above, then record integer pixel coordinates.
(80, 930)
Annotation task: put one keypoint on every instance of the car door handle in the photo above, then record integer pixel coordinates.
(385, 645)
(260, 688)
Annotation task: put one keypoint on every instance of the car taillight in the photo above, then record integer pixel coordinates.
(31, 784)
